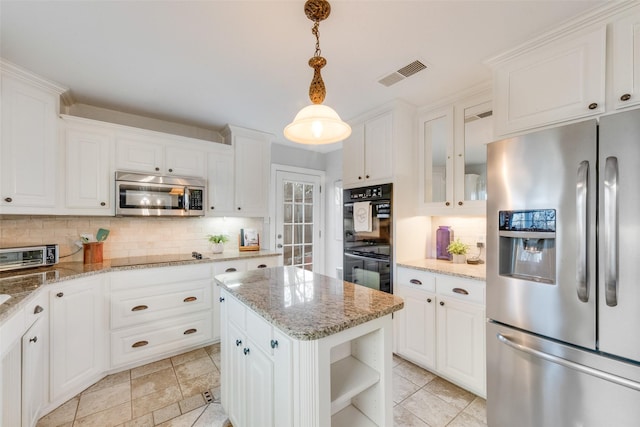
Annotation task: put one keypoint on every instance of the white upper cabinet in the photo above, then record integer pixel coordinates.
(221, 181)
(555, 82)
(88, 153)
(626, 60)
(381, 147)
(150, 153)
(252, 170)
(452, 157)
(28, 153)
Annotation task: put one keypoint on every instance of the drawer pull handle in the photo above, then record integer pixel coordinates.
(625, 97)
(245, 351)
(38, 309)
(262, 266)
(442, 303)
(274, 343)
(139, 307)
(34, 339)
(230, 270)
(190, 331)
(593, 106)
(429, 300)
(238, 343)
(139, 344)
(415, 282)
(190, 299)
(460, 291)
(60, 294)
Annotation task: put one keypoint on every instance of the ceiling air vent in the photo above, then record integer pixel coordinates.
(404, 72)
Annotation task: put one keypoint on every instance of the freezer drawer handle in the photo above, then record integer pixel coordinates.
(611, 231)
(460, 291)
(568, 364)
(582, 230)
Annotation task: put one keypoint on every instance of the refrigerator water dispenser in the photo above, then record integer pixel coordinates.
(527, 247)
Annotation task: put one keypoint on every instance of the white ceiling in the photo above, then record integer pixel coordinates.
(209, 63)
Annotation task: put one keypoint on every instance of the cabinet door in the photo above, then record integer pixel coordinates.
(78, 330)
(140, 154)
(259, 392)
(282, 380)
(435, 152)
(626, 60)
(183, 161)
(378, 155)
(225, 348)
(353, 157)
(417, 326)
(34, 360)
(221, 182)
(28, 149)
(89, 184)
(461, 343)
(236, 393)
(252, 163)
(557, 82)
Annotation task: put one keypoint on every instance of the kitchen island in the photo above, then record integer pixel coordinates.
(303, 349)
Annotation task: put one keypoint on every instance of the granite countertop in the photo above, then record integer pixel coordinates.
(468, 271)
(306, 305)
(22, 284)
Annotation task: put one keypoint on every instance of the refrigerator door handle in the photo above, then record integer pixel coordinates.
(569, 364)
(611, 231)
(583, 228)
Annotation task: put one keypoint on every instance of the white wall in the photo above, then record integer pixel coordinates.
(333, 213)
(300, 157)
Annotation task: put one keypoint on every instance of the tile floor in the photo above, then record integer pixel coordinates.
(168, 393)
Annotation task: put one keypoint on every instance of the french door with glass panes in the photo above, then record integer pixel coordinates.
(298, 220)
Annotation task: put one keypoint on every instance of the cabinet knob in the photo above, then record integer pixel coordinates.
(367, 176)
(139, 344)
(38, 309)
(460, 203)
(221, 299)
(429, 300)
(157, 169)
(447, 203)
(8, 199)
(34, 339)
(212, 207)
(625, 97)
(170, 170)
(238, 343)
(593, 106)
(230, 270)
(274, 343)
(60, 294)
(103, 204)
(139, 307)
(441, 302)
(189, 299)
(415, 282)
(245, 351)
(190, 331)
(359, 177)
(262, 266)
(239, 208)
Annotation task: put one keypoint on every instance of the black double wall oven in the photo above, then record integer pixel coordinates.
(367, 220)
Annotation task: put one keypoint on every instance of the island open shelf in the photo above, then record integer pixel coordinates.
(303, 349)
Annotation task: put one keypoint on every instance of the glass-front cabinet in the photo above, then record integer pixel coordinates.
(453, 157)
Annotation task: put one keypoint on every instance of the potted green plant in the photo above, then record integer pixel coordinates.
(217, 242)
(459, 251)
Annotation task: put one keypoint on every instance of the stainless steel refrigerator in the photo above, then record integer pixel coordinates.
(563, 276)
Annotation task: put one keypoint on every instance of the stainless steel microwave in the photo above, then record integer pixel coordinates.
(28, 256)
(155, 195)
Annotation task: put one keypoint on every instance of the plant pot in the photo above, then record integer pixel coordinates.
(217, 248)
(459, 259)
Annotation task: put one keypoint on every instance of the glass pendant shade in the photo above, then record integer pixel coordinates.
(317, 124)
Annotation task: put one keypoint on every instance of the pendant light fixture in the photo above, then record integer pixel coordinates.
(317, 123)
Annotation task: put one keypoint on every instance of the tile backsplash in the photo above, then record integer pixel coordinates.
(468, 229)
(128, 236)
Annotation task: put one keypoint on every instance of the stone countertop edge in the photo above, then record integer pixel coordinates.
(22, 285)
(467, 271)
(308, 323)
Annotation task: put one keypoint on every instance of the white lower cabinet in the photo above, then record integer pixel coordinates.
(256, 381)
(34, 362)
(442, 326)
(78, 335)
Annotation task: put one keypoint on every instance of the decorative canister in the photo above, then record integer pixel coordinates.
(92, 252)
(444, 236)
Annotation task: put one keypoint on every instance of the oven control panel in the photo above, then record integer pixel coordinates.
(370, 193)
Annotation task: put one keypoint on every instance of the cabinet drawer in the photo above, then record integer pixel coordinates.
(462, 289)
(417, 279)
(130, 279)
(236, 312)
(264, 262)
(148, 341)
(259, 331)
(151, 303)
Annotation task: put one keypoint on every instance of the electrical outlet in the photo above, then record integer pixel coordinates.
(479, 244)
(480, 239)
(78, 243)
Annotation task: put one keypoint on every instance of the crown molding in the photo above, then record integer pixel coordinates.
(31, 78)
